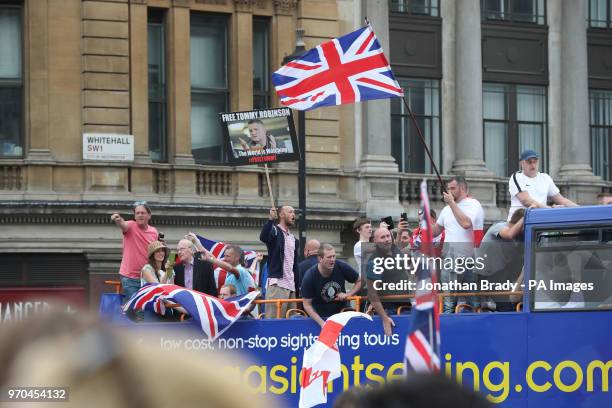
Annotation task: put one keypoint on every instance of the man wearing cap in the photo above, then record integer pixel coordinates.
(530, 188)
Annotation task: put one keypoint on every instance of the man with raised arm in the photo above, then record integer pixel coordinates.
(238, 276)
(137, 235)
(462, 220)
(283, 247)
(194, 272)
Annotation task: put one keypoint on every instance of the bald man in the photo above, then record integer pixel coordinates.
(311, 251)
(375, 277)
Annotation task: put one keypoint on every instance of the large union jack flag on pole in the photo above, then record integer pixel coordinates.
(422, 352)
(347, 69)
(213, 315)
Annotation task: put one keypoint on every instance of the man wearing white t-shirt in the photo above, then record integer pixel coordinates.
(530, 188)
(462, 221)
(363, 227)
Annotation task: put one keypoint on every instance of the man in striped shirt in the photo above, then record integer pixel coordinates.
(283, 249)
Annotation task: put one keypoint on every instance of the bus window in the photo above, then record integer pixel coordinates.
(572, 269)
(606, 235)
(565, 238)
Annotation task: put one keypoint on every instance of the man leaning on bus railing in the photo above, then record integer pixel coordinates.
(385, 249)
(323, 286)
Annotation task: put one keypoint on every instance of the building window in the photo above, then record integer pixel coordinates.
(261, 64)
(423, 96)
(156, 52)
(521, 11)
(11, 82)
(416, 7)
(600, 15)
(601, 132)
(209, 86)
(514, 120)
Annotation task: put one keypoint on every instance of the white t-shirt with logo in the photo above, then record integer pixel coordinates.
(455, 233)
(539, 188)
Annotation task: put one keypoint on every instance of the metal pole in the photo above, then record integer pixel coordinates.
(301, 130)
(416, 125)
(302, 182)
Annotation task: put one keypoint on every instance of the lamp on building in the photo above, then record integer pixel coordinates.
(300, 48)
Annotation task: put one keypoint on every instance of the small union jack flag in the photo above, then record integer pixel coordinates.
(422, 351)
(212, 314)
(347, 69)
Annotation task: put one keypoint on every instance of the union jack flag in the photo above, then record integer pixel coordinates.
(347, 69)
(218, 250)
(422, 351)
(212, 314)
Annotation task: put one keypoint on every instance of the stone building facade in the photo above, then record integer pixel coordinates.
(161, 69)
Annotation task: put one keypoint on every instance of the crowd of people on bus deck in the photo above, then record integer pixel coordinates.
(320, 279)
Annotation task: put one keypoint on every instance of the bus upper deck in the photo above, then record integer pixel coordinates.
(554, 352)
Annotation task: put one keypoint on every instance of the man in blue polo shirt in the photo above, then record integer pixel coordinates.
(323, 287)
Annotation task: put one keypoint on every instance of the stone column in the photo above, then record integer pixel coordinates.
(575, 174)
(555, 85)
(179, 85)
(379, 175)
(142, 177)
(447, 91)
(468, 91)
(574, 91)
(282, 32)
(241, 82)
(183, 180)
(467, 134)
(139, 91)
(241, 70)
(283, 176)
(37, 83)
(39, 178)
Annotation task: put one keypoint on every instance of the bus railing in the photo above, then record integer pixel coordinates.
(357, 299)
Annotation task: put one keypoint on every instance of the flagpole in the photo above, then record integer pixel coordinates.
(269, 185)
(416, 125)
(431, 338)
(300, 48)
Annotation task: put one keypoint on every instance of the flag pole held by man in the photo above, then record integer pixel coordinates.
(422, 351)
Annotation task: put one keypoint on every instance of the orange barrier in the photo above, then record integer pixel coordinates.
(357, 299)
(279, 302)
(115, 283)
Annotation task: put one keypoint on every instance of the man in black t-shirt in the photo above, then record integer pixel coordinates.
(323, 285)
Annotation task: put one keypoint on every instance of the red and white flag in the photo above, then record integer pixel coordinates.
(321, 363)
